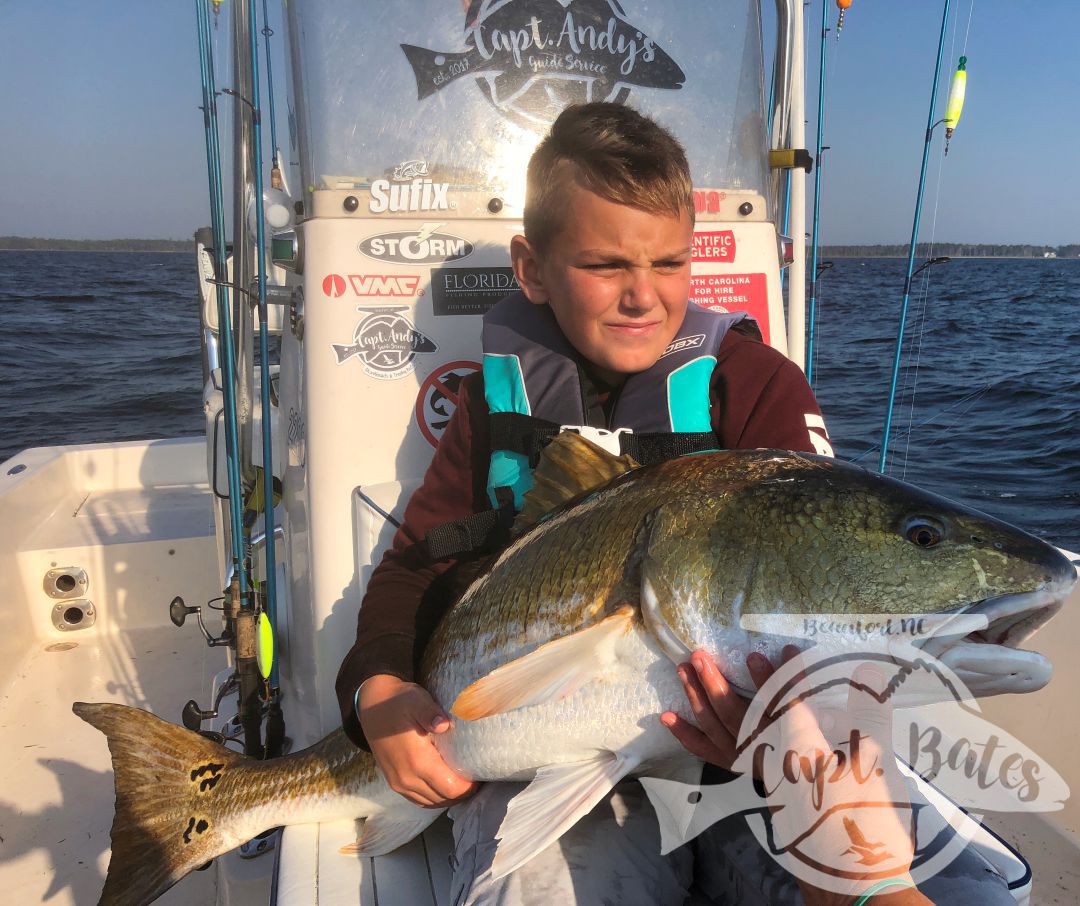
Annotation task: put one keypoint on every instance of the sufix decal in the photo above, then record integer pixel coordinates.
(386, 342)
(409, 189)
(422, 246)
(532, 58)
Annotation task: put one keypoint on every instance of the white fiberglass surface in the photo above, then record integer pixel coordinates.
(459, 92)
(56, 804)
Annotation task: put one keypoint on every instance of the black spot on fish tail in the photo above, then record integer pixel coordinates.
(207, 783)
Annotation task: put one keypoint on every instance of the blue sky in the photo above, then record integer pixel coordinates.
(102, 136)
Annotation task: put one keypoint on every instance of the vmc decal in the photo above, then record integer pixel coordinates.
(532, 58)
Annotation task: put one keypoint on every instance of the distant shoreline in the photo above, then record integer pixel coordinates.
(38, 244)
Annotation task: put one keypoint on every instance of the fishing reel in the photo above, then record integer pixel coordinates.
(179, 612)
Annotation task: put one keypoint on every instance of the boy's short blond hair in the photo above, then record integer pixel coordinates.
(613, 151)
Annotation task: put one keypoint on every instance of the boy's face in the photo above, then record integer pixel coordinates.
(617, 279)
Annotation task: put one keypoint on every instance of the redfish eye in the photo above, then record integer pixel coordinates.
(922, 533)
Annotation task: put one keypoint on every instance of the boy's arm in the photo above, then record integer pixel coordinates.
(453, 487)
(760, 398)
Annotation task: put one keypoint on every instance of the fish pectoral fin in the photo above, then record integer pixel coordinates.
(552, 672)
(558, 796)
(385, 832)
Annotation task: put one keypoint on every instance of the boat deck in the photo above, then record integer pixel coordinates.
(57, 802)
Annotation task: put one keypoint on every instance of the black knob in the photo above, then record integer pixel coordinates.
(192, 716)
(746, 208)
(495, 205)
(351, 203)
(178, 611)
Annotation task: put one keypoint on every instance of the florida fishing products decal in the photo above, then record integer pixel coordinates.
(422, 246)
(532, 58)
(438, 398)
(734, 292)
(386, 342)
(469, 290)
(409, 188)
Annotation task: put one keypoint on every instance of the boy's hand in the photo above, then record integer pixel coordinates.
(718, 709)
(398, 719)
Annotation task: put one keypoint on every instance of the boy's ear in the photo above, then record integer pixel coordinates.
(527, 263)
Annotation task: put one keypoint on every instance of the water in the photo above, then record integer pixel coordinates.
(105, 347)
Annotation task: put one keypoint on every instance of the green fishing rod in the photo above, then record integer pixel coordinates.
(217, 225)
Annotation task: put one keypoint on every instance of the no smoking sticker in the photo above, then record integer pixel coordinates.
(438, 398)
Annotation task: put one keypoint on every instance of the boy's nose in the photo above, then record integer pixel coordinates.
(640, 293)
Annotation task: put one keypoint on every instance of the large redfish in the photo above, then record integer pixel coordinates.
(557, 659)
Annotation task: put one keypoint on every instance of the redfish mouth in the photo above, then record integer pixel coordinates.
(988, 660)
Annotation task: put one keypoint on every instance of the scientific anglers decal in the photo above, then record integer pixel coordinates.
(469, 290)
(367, 285)
(532, 58)
(714, 246)
(386, 342)
(422, 246)
(409, 188)
(438, 398)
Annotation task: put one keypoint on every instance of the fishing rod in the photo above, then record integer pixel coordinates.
(930, 125)
(267, 620)
(275, 169)
(811, 314)
(213, 161)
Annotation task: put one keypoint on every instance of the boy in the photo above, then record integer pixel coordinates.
(604, 270)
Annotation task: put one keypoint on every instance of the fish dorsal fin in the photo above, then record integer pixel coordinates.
(569, 466)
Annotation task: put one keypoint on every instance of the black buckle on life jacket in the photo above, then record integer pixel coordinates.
(479, 533)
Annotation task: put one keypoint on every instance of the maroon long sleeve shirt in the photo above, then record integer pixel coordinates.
(758, 398)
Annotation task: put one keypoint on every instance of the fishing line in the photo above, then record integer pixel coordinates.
(921, 326)
(832, 66)
(972, 397)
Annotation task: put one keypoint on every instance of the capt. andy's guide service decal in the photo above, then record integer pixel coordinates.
(386, 342)
(532, 58)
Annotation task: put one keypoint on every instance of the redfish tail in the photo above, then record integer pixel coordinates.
(165, 824)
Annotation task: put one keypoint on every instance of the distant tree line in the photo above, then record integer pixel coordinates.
(952, 250)
(20, 243)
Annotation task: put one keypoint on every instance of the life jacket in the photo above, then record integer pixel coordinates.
(536, 385)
